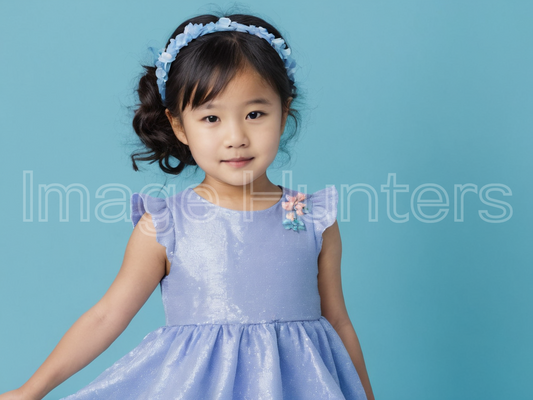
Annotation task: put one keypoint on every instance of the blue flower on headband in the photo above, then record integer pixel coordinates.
(224, 24)
(166, 56)
(194, 30)
(252, 30)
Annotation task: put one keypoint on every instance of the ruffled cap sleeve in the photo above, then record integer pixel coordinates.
(162, 219)
(324, 211)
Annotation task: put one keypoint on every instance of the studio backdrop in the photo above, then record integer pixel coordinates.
(419, 112)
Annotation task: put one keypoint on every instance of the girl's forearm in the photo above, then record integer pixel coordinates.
(351, 342)
(88, 337)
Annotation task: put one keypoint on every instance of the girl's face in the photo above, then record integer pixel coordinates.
(245, 120)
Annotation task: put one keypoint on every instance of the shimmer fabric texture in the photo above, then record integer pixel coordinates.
(242, 306)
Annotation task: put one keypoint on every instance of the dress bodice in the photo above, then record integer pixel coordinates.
(230, 266)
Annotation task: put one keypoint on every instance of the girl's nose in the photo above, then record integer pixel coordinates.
(236, 136)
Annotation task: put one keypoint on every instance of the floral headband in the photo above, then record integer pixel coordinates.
(192, 31)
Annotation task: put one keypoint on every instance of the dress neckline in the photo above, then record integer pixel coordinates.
(283, 191)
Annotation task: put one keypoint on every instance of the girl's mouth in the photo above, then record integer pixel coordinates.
(238, 162)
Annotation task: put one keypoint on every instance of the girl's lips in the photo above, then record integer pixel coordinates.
(238, 164)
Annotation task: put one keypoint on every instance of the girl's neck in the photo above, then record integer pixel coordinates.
(257, 195)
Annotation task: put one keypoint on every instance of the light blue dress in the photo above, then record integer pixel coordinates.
(242, 307)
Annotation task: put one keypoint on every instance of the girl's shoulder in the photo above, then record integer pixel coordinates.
(323, 201)
(311, 212)
(327, 195)
(322, 210)
(144, 202)
(162, 218)
(319, 208)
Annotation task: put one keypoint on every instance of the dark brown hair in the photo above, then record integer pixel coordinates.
(204, 68)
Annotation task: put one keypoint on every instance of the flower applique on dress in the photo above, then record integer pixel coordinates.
(296, 208)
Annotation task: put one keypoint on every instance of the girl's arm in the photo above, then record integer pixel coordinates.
(332, 301)
(143, 267)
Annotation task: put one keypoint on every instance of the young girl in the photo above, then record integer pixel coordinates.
(249, 270)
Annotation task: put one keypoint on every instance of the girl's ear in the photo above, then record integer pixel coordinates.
(285, 114)
(176, 127)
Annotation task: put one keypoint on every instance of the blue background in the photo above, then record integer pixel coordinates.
(434, 92)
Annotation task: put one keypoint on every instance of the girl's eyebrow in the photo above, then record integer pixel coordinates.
(260, 100)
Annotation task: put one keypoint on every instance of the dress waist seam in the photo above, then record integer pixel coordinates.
(246, 323)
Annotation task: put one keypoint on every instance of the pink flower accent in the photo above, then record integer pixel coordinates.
(289, 205)
(296, 207)
(294, 202)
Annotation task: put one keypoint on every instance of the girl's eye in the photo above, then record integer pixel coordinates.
(211, 118)
(254, 115)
